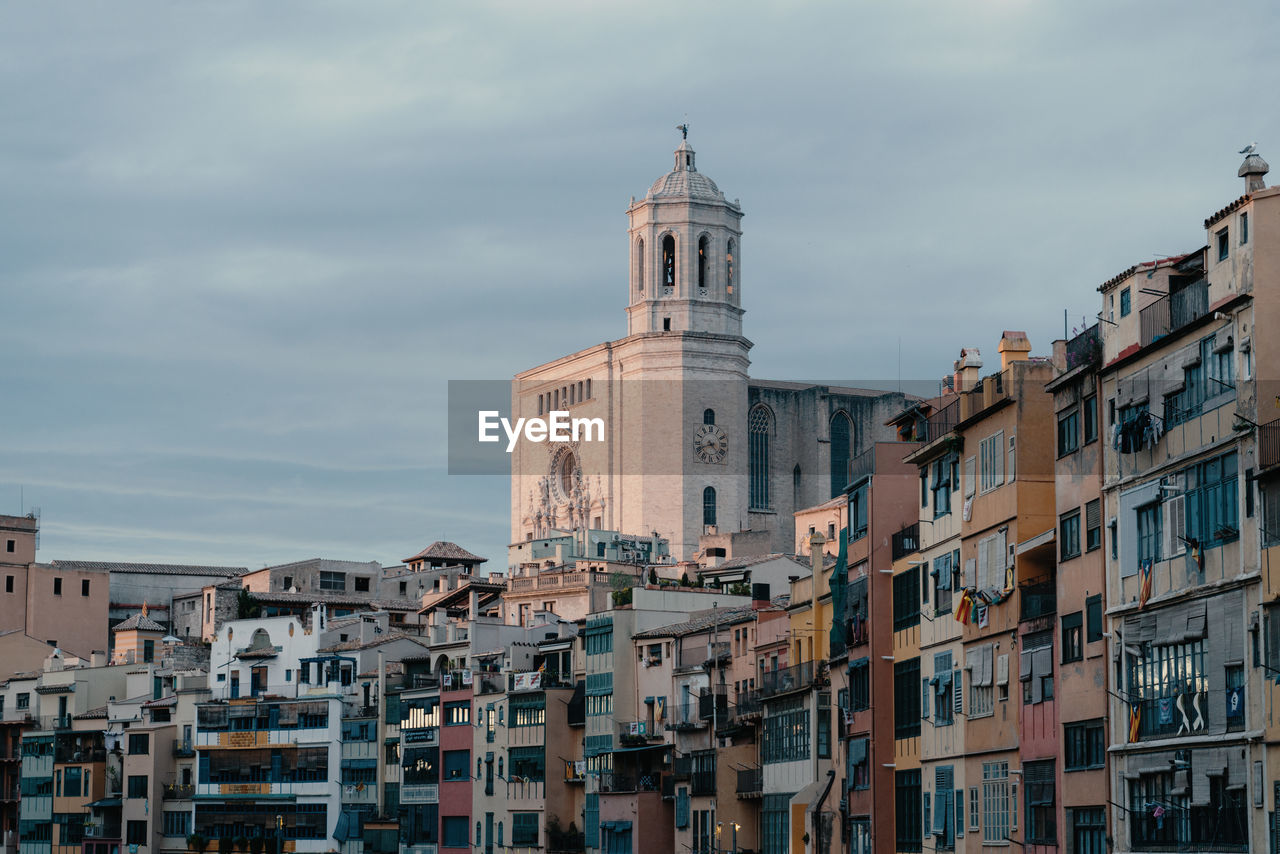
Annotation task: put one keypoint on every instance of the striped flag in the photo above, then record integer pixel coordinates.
(1144, 592)
(1135, 721)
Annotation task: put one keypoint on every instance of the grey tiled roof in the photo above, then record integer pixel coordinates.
(141, 622)
(148, 568)
(445, 550)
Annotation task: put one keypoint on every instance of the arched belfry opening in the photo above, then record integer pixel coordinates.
(704, 251)
(669, 261)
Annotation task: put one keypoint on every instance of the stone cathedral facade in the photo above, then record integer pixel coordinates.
(694, 449)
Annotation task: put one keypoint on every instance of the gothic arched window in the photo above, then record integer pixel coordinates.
(708, 506)
(668, 261)
(728, 266)
(841, 447)
(708, 416)
(704, 251)
(759, 435)
(640, 265)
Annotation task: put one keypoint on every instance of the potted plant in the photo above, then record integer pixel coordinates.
(242, 843)
(196, 843)
(224, 844)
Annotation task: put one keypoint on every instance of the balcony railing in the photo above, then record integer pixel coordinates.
(1085, 348)
(682, 767)
(1162, 723)
(861, 466)
(747, 705)
(614, 782)
(177, 792)
(787, 679)
(750, 782)
(1173, 311)
(1038, 600)
(939, 423)
(1269, 444)
(632, 733)
(685, 716)
(80, 754)
(906, 541)
(488, 683)
(183, 750)
(425, 680)
(713, 704)
(573, 773)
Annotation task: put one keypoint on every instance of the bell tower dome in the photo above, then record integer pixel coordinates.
(686, 251)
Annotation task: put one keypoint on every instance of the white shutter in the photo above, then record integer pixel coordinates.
(1175, 523)
(1000, 559)
(971, 572)
(998, 453)
(970, 476)
(957, 682)
(1012, 469)
(984, 567)
(1002, 669)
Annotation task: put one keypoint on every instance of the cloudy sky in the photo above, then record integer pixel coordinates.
(243, 246)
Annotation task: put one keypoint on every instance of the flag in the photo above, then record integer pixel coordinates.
(1144, 592)
(1135, 720)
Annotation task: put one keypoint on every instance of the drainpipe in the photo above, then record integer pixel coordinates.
(817, 811)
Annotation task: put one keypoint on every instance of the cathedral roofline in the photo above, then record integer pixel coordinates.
(534, 372)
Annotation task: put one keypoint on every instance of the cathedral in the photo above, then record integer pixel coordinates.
(694, 450)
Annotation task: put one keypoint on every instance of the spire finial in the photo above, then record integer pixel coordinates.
(684, 129)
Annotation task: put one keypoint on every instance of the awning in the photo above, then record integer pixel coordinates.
(104, 803)
(658, 746)
(616, 826)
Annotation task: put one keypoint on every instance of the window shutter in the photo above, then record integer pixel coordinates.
(928, 826)
(1002, 669)
(984, 564)
(1093, 515)
(970, 476)
(955, 570)
(924, 582)
(1175, 525)
(971, 572)
(959, 813)
(924, 699)
(999, 458)
(1000, 559)
(956, 683)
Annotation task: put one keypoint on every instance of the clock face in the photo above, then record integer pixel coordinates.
(710, 443)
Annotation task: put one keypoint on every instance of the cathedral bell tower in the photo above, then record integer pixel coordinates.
(685, 254)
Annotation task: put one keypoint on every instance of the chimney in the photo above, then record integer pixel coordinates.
(1014, 347)
(97, 658)
(1252, 170)
(816, 542)
(967, 368)
(759, 596)
(1060, 355)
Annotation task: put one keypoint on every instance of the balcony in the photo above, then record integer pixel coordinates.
(939, 423)
(906, 541)
(177, 792)
(612, 782)
(425, 680)
(862, 466)
(1173, 311)
(80, 754)
(747, 706)
(488, 683)
(573, 772)
(699, 656)
(1038, 600)
(1269, 445)
(713, 705)
(685, 717)
(635, 733)
(1085, 348)
(787, 679)
(183, 750)
(750, 783)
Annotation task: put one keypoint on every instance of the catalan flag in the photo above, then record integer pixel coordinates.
(1135, 721)
(1144, 592)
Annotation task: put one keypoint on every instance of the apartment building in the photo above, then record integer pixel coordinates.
(1082, 784)
(1181, 424)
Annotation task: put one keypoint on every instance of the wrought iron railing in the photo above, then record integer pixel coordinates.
(750, 781)
(1173, 311)
(906, 541)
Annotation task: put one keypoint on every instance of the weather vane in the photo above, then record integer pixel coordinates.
(684, 130)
